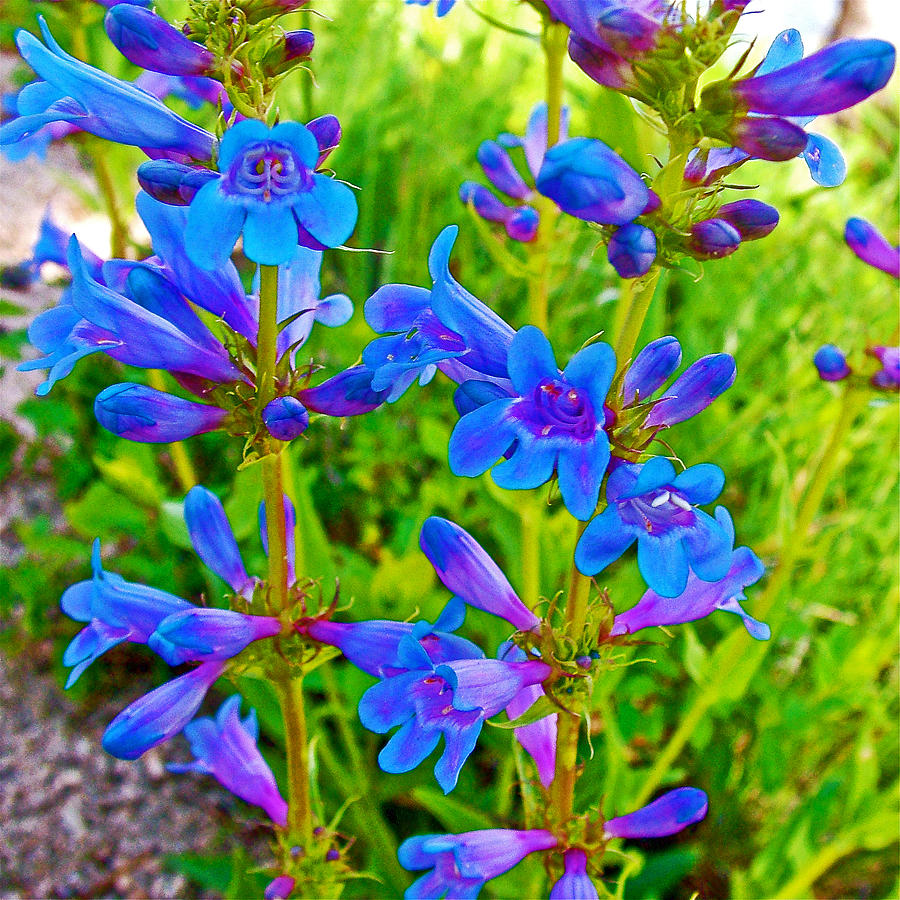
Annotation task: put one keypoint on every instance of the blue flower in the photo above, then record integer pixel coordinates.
(444, 328)
(451, 699)
(632, 250)
(225, 747)
(553, 422)
(93, 101)
(440, 10)
(461, 863)
(667, 815)
(701, 598)
(864, 239)
(831, 363)
(652, 505)
(270, 191)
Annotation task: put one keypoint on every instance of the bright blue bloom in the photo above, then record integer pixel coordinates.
(453, 699)
(668, 814)
(440, 10)
(553, 422)
(95, 102)
(831, 363)
(588, 180)
(270, 191)
(652, 505)
(161, 714)
(632, 250)
(150, 42)
(285, 418)
(115, 610)
(575, 883)
(864, 239)
(225, 747)
(349, 393)
(701, 383)
(445, 328)
(462, 863)
(200, 634)
(713, 239)
(701, 598)
(140, 413)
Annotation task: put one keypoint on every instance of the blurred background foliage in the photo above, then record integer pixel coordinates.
(795, 741)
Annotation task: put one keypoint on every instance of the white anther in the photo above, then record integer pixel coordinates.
(662, 498)
(680, 501)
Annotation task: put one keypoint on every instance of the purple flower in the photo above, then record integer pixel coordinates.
(451, 699)
(628, 29)
(575, 883)
(81, 95)
(349, 393)
(473, 577)
(713, 239)
(139, 413)
(225, 747)
(872, 247)
(752, 219)
(831, 363)
(296, 47)
(460, 864)
(444, 328)
(701, 598)
(279, 888)
(115, 610)
(590, 181)
(632, 250)
(150, 42)
(553, 422)
(270, 191)
(161, 714)
(701, 383)
(668, 814)
(888, 377)
(652, 505)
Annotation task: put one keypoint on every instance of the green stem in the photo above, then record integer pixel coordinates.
(289, 686)
(553, 40)
(118, 238)
(634, 302)
(733, 659)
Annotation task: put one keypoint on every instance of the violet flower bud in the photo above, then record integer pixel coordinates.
(150, 42)
(768, 137)
(713, 239)
(831, 363)
(888, 377)
(603, 66)
(669, 814)
(327, 132)
(871, 247)
(279, 888)
(172, 182)
(500, 170)
(752, 219)
(286, 418)
(139, 413)
(296, 47)
(522, 225)
(632, 250)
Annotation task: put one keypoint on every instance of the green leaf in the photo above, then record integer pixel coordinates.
(541, 707)
(453, 814)
(104, 513)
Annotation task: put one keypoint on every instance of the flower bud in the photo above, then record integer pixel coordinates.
(150, 42)
(831, 363)
(140, 413)
(752, 219)
(286, 418)
(632, 250)
(872, 247)
(669, 814)
(327, 132)
(603, 66)
(713, 239)
(296, 47)
(500, 170)
(257, 10)
(522, 225)
(172, 182)
(768, 137)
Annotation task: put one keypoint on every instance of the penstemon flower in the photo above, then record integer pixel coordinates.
(268, 190)
(651, 504)
(553, 422)
(864, 239)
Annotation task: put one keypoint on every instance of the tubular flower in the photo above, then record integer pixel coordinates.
(453, 699)
(93, 101)
(445, 328)
(872, 247)
(270, 191)
(460, 864)
(667, 815)
(553, 422)
(225, 747)
(632, 250)
(520, 220)
(588, 180)
(652, 505)
(701, 598)
(575, 883)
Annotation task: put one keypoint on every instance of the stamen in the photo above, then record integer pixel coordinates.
(680, 501)
(661, 499)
